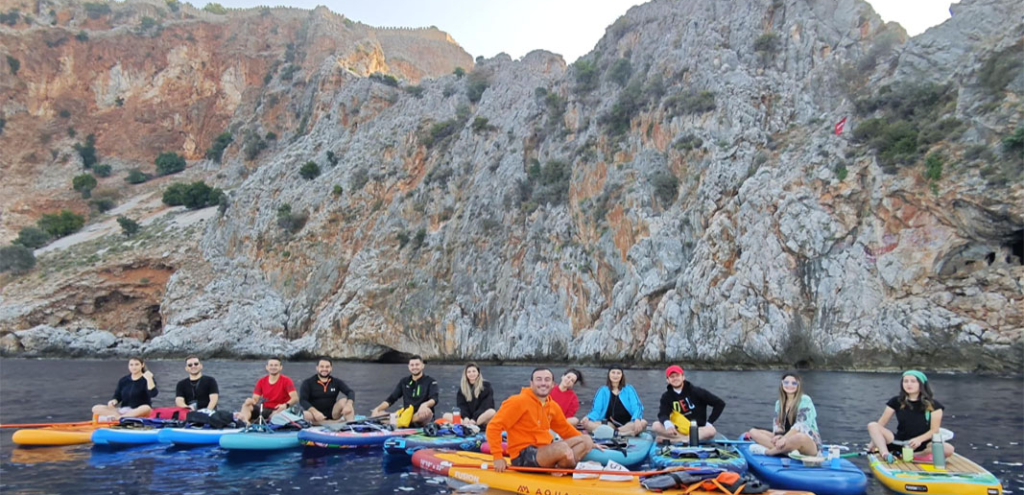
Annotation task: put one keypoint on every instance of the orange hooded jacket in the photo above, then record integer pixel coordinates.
(528, 422)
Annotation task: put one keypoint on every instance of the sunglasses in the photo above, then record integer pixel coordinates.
(192, 364)
(790, 382)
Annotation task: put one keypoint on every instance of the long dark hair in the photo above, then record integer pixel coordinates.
(608, 380)
(784, 400)
(140, 360)
(579, 376)
(925, 396)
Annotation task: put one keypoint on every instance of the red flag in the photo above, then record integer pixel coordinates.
(840, 125)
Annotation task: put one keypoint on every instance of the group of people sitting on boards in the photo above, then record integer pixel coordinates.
(529, 417)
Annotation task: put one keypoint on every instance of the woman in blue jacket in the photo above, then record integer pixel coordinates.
(617, 404)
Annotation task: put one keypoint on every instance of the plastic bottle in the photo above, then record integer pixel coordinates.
(694, 435)
(833, 457)
(456, 416)
(938, 452)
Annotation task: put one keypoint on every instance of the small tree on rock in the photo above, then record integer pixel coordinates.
(32, 237)
(16, 259)
(129, 227)
(310, 171)
(84, 184)
(169, 163)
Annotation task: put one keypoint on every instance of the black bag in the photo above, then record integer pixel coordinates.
(218, 420)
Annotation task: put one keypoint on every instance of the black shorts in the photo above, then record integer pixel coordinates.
(267, 411)
(527, 458)
(896, 449)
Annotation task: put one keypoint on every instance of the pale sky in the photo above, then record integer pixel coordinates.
(570, 28)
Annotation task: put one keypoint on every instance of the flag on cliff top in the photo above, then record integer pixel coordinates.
(840, 125)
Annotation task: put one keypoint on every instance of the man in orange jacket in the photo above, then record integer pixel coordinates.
(529, 418)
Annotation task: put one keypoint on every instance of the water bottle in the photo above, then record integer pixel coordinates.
(456, 416)
(938, 452)
(694, 434)
(833, 457)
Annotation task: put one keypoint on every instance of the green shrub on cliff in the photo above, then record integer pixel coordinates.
(310, 170)
(32, 237)
(193, 196)
(84, 184)
(129, 227)
(61, 224)
(136, 176)
(168, 163)
(216, 149)
(215, 8)
(16, 259)
(87, 151)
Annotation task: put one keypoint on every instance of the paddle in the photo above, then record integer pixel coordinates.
(584, 471)
(48, 425)
(337, 426)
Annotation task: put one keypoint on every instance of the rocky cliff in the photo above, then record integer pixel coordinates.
(681, 193)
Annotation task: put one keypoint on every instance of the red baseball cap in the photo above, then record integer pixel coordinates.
(673, 369)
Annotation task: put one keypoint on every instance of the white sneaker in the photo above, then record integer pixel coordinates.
(758, 449)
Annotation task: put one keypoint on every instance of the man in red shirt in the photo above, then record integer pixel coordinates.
(276, 390)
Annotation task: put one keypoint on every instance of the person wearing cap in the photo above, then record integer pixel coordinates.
(918, 418)
(682, 403)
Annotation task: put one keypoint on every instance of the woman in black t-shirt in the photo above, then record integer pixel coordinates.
(918, 417)
(475, 397)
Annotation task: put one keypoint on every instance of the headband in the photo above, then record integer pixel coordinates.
(916, 374)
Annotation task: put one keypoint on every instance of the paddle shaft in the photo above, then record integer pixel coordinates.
(48, 425)
(579, 471)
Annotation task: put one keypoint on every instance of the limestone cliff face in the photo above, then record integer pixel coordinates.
(146, 79)
(678, 195)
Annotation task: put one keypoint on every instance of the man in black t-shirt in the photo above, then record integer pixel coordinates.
(325, 398)
(196, 391)
(417, 390)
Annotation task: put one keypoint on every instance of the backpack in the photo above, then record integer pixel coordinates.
(175, 413)
(217, 420)
(290, 416)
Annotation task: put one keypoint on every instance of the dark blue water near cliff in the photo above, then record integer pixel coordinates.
(986, 413)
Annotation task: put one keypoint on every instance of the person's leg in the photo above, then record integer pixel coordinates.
(104, 410)
(343, 410)
(762, 437)
(794, 440)
(423, 416)
(663, 434)
(246, 413)
(590, 425)
(581, 445)
(881, 437)
(706, 432)
(139, 412)
(557, 454)
(948, 449)
(485, 417)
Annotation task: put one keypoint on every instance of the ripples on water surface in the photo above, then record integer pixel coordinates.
(987, 414)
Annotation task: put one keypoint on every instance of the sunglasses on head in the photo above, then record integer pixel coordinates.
(790, 382)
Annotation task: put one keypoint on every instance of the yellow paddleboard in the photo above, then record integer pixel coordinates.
(54, 435)
(447, 462)
(961, 477)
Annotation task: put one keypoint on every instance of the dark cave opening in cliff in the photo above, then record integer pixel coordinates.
(394, 357)
(1016, 246)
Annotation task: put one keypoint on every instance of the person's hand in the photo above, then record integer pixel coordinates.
(281, 407)
(422, 410)
(112, 403)
(670, 427)
(249, 402)
(500, 465)
(148, 374)
(600, 447)
(375, 412)
(468, 422)
(318, 416)
(779, 442)
(914, 443)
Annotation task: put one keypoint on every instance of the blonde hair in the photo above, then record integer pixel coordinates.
(471, 391)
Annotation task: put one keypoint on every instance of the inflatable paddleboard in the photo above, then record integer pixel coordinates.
(450, 463)
(125, 437)
(408, 445)
(709, 455)
(329, 439)
(628, 451)
(961, 477)
(791, 474)
(248, 440)
(53, 436)
(193, 437)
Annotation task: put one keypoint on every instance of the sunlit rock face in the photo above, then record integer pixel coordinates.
(679, 194)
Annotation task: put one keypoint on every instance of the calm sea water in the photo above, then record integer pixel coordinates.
(986, 413)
